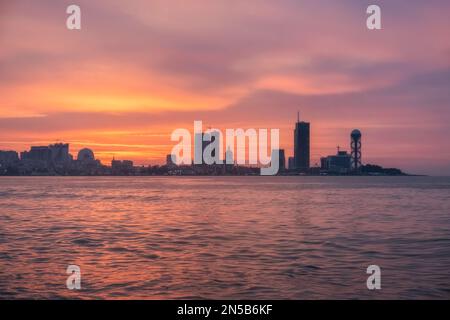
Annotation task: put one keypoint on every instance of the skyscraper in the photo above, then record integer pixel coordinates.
(301, 144)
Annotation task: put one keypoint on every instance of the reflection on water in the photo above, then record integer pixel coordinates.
(224, 237)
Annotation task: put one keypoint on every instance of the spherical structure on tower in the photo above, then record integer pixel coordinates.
(356, 134)
(85, 155)
(355, 146)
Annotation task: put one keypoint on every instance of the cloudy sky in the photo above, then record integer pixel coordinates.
(139, 69)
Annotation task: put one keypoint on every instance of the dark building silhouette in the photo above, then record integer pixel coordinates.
(125, 167)
(339, 163)
(8, 157)
(355, 145)
(9, 161)
(37, 153)
(60, 153)
(291, 163)
(86, 155)
(54, 153)
(281, 160)
(171, 160)
(86, 164)
(301, 144)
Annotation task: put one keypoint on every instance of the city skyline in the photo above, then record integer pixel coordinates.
(121, 88)
(56, 159)
(224, 158)
(47, 149)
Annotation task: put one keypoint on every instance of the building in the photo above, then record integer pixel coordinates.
(36, 161)
(86, 164)
(55, 153)
(86, 155)
(281, 159)
(229, 158)
(339, 163)
(291, 163)
(125, 167)
(60, 153)
(301, 145)
(9, 161)
(8, 157)
(171, 160)
(38, 154)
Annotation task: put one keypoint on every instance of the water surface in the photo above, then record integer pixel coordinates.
(225, 237)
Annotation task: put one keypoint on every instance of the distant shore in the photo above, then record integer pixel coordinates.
(217, 175)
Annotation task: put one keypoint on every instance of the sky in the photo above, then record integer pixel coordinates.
(139, 69)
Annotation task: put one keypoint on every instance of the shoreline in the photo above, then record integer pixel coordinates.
(243, 175)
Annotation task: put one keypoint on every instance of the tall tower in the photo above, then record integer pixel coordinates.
(355, 146)
(301, 144)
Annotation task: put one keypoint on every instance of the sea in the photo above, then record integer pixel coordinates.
(295, 237)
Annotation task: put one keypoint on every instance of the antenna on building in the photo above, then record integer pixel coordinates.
(298, 116)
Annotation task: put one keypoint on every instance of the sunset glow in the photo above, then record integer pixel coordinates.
(138, 70)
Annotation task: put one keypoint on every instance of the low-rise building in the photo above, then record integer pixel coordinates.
(339, 163)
